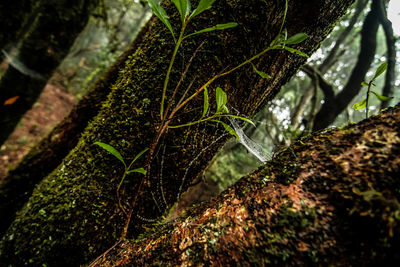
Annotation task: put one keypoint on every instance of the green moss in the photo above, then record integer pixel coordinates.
(287, 226)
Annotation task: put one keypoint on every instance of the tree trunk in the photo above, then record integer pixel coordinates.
(390, 76)
(74, 213)
(334, 202)
(43, 47)
(331, 109)
(42, 159)
(332, 57)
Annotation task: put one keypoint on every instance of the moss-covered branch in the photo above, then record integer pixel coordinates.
(43, 158)
(331, 199)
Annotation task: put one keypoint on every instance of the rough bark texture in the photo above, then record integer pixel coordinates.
(331, 109)
(43, 47)
(73, 214)
(17, 187)
(331, 199)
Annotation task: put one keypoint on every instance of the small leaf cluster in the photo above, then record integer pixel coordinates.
(116, 154)
(222, 110)
(283, 43)
(365, 102)
(184, 9)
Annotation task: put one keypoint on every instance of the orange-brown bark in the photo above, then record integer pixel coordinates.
(330, 199)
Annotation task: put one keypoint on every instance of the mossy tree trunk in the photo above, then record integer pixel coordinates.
(53, 31)
(74, 213)
(334, 202)
(42, 159)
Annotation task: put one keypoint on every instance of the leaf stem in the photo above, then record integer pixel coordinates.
(203, 120)
(284, 16)
(367, 99)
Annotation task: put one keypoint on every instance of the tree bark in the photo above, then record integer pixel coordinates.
(330, 110)
(43, 47)
(73, 214)
(334, 202)
(42, 159)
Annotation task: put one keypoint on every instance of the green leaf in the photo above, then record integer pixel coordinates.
(206, 103)
(161, 14)
(294, 51)
(224, 109)
(183, 7)
(381, 69)
(203, 6)
(381, 97)
(242, 118)
(228, 129)
(221, 99)
(139, 155)
(360, 105)
(225, 26)
(139, 170)
(112, 150)
(216, 27)
(364, 84)
(262, 74)
(296, 39)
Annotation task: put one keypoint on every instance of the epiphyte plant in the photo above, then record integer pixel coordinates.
(364, 104)
(127, 168)
(221, 111)
(167, 114)
(184, 9)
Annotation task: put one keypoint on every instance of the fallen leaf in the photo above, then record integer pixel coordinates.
(11, 100)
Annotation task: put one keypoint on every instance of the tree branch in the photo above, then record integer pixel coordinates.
(330, 110)
(391, 53)
(327, 205)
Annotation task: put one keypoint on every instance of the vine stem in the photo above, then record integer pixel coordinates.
(275, 46)
(171, 63)
(201, 120)
(181, 79)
